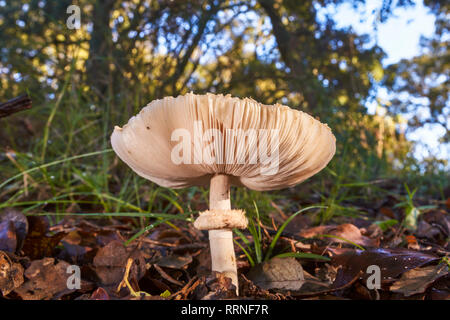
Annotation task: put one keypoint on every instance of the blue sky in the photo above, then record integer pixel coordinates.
(398, 36)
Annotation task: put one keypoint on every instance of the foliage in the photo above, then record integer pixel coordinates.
(420, 86)
(126, 53)
(412, 212)
(257, 254)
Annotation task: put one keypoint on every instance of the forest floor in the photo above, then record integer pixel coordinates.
(363, 260)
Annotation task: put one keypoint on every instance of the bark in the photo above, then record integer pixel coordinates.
(100, 47)
(182, 61)
(291, 53)
(282, 35)
(15, 105)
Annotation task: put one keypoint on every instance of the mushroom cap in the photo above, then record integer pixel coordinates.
(184, 141)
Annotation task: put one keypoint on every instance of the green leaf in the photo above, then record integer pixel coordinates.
(249, 257)
(385, 225)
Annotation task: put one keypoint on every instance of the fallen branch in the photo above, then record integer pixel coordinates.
(15, 105)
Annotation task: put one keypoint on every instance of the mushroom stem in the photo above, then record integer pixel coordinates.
(223, 258)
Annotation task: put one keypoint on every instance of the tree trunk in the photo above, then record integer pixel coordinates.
(291, 54)
(100, 48)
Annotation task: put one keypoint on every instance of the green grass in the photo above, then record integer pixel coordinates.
(412, 211)
(258, 252)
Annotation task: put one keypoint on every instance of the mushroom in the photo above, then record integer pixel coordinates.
(196, 140)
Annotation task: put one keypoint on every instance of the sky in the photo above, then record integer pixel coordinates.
(399, 37)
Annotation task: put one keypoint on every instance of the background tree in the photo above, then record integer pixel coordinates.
(127, 53)
(420, 86)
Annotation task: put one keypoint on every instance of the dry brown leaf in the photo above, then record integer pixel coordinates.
(418, 280)
(99, 294)
(278, 273)
(345, 231)
(392, 263)
(45, 280)
(110, 261)
(174, 261)
(13, 230)
(11, 274)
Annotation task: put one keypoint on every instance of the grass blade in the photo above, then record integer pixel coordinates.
(283, 226)
(301, 255)
(19, 175)
(340, 238)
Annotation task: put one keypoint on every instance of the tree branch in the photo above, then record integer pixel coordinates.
(15, 105)
(183, 61)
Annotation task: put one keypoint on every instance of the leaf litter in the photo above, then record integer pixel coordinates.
(173, 263)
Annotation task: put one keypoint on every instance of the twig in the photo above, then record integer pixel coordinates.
(322, 292)
(166, 276)
(15, 105)
(282, 214)
(184, 292)
(189, 246)
(173, 246)
(157, 243)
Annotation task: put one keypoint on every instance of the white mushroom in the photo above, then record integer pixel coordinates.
(222, 140)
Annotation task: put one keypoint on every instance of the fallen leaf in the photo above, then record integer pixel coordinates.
(212, 287)
(45, 280)
(249, 289)
(11, 274)
(418, 280)
(435, 225)
(345, 231)
(278, 273)
(220, 287)
(99, 294)
(8, 239)
(300, 222)
(412, 242)
(312, 285)
(387, 212)
(436, 294)
(314, 231)
(20, 226)
(392, 263)
(37, 243)
(110, 262)
(174, 261)
(426, 230)
(203, 262)
(73, 253)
